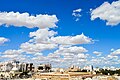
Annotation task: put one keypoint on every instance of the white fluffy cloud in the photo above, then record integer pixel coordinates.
(35, 48)
(108, 12)
(69, 55)
(12, 52)
(82, 56)
(25, 19)
(42, 35)
(78, 39)
(3, 40)
(74, 50)
(40, 41)
(116, 52)
(64, 50)
(97, 53)
(45, 39)
(38, 54)
(48, 36)
(77, 10)
(20, 57)
(53, 56)
(76, 14)
(64, 56)
(9, 56)
(112, 56)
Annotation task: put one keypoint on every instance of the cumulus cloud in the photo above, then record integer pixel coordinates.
(112, 49)
(64, 48)
(12, 52)
(53, 56)
(73, 49)
(9, 56)
(40, 59)
(38, 54)
(3, 40)
(82, 56)
(69, 55)
(116, 52)
(112, 56)
(42, 35)
(17, 55)
(61, 56)
(20, 57)
(36, 48)
(103, 61)
(77, 10)
(46, 36)
(25, 19)
(76, 14)
(75, 55)
(40, 41)
(108, 12)
(45, 39)
(97, 53)
(78, 39)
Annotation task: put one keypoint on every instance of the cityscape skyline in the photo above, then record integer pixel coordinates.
(62, 33)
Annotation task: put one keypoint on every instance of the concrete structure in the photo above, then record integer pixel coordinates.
(26, 67)
(44, 68)
(73, 69)
(30, 67)
(7, 66)
(22, 67)
(88, 68)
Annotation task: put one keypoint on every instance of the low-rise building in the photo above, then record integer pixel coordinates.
(44, 67)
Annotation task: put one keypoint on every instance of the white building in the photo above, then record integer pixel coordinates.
(88, 68)
(8, 66)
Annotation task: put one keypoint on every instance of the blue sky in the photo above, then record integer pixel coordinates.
(104, 37)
